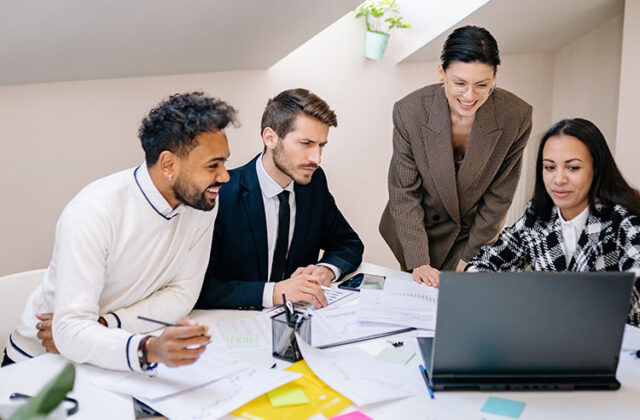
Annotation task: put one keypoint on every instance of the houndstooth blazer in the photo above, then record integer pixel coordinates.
(609, 242)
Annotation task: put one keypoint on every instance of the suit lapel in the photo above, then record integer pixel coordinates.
(300, 229)
(439, 150)
(254, 206)
(482, 140)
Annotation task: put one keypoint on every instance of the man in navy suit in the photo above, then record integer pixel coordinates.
(276, 214)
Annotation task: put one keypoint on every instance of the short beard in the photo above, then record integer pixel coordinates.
(286, 169)
(188, 195)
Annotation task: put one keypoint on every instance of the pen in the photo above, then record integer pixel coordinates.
(326, 289)
(425, 375)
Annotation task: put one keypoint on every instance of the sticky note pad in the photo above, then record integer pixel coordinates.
(354, 415)
(241, 340)
(503, 407)
(397, 356)
(287, 395)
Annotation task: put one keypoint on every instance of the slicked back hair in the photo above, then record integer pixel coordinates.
(470, 44)
(174, 124)
(282, 110)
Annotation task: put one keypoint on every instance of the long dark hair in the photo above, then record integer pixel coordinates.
(470, 44)
(608, 187)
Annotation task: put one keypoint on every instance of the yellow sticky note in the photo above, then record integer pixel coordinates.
(322, 399)
(287, 395)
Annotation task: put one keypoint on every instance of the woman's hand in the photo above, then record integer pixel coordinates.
(427, 275)
(461, 266)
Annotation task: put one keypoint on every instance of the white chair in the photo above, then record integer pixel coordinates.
(14, 291)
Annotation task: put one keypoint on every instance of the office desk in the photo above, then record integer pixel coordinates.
(622, 404)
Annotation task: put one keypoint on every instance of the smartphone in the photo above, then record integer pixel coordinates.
(363, 281)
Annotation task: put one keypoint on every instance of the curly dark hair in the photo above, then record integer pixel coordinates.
(174, 124)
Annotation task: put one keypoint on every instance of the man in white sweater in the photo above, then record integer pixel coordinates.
(135, 243)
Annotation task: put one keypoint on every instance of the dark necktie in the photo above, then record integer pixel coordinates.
(282, 240)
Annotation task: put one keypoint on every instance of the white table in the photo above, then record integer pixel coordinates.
(95, 403)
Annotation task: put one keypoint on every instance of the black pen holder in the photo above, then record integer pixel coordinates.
(284, 344)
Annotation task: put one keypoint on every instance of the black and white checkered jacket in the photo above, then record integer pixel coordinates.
(609, 242)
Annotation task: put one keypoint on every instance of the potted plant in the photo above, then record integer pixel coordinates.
(381, 17)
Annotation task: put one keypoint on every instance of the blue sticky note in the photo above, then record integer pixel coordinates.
(503, 407)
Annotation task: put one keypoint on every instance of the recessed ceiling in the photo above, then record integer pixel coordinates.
(524, 26)
(61, 40)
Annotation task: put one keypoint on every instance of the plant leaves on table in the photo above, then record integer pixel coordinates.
(49, 397)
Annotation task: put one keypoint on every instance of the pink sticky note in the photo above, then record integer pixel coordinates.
(354, 415)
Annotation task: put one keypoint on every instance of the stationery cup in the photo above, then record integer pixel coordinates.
(284, 345)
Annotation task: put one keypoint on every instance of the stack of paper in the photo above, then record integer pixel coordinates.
(402, 302)
(360, 377)
(210, 388)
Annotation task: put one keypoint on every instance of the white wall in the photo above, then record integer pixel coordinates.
(627, 143)
(58, 137)
(587, 76)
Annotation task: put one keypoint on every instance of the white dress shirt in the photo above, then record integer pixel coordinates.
(120, 251)
(270, 190)
(571, 231)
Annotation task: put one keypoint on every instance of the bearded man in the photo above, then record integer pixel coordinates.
(276, 214)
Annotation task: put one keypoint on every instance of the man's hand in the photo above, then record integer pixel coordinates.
(461, 266)
(427, 275)
(302, 286)
(44, 332)
(46, 336)
(178, 346)
(324, 273)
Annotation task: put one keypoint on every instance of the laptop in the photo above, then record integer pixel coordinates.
(528, 331)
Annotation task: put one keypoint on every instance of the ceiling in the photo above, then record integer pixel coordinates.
(527, 26)
(61, 40)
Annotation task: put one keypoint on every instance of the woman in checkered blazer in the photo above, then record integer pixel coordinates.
(583, 216)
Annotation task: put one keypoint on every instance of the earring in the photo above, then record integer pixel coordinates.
(170, 177)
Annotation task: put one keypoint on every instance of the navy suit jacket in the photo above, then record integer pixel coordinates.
(238, 264)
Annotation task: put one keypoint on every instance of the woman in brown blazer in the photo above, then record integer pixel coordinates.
(457, 153)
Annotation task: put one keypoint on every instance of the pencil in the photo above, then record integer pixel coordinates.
(166, 324)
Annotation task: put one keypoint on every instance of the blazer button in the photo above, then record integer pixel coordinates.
(252, 308)
(435, 218)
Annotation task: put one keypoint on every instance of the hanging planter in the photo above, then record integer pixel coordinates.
(381, 17)
(374, 44)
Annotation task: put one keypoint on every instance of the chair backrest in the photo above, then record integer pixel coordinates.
(14, 291)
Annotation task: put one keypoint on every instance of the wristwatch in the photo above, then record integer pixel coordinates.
(150, 368)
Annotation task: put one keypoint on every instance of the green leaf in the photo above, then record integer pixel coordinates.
(49, 397)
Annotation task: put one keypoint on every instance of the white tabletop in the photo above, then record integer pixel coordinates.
(28, 377)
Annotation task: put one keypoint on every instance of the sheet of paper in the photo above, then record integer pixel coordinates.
(242, 334)
(376, 306)
(210, 367)
(358, 376)
(403, 293)
(342, 323)
(219, 398)
(503, 407)
(287, 395)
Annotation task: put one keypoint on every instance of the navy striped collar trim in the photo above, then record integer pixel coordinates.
(173, 213)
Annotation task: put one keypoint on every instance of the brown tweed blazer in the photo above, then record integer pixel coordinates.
(435, 216)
